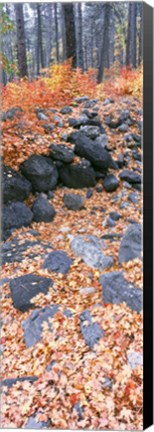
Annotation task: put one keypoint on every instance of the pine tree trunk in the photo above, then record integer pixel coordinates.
(56, 30)
(80, 35)
(70, 32)
(140, 46)
(40, 39)
(21, 45)
(104, 47)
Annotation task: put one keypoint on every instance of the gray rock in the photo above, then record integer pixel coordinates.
(43, 210)
(110, 222)
(89, 193)
(127, 185)
(124, 205)
(102, 140)
(50, 195)
(123, 127)
(115, 216)
(61, 152)
(11, 113)
(24, 288)
(96, 154)
(110, 183)
(117, 290)
(58, 121)
(66, 110)
(91, 253)
(48, 128)
(87, 290)
(15, 250)
(91, 103)
(78, 175)
(9, 382)
(58, 262)
(32, 326)
(90, 131)
(99, 188)
(130, 176)
(41, 172)
(133, 197)
(80, 411)
(135, 359)
(14, 186)
(92, 332)
(41, 116)
(33, 424)
(73, 201)
(124, 115)
(15, 215)
(87, 148)
(130, 246)
(81, 99)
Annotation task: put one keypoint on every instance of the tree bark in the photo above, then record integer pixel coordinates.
(104, 47)
(80, 35)
(56, 30)
(131, 36)
(21, 45)
(39, 35)
(70, 32)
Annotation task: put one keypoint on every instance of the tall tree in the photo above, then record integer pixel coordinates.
(39, 34)
(21, 45)
(80, 36)
(104, 47)
(56, 31)
(140, 35)
(131, 36)
(70, 32)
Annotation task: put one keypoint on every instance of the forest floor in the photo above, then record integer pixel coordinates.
(74, 385)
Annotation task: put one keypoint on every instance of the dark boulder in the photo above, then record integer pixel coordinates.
(15, 215)
(11, 113)
(42, 210)
(66, 110)
(24, 288)
(87, 148)
(91, 332)
(14, 186)
(61, 153)
(89, 193)
(90, 131)
(78, 175)
(41, 172)
(58, 262)
(130, 176)
(110, 183)
(117, 290)
(115, 216)
(73, 201)
(32, 326)
(130, 246)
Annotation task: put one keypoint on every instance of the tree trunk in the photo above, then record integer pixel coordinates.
(80, 35)
(56, 30)
(50, 33)
(131, 36)
(39, 35)
(104, 47)
(140, 45)
(133, 32)
(70, 32)
(21, 46)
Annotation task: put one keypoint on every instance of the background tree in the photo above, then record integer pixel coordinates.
(21, 44)
(70, 32)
